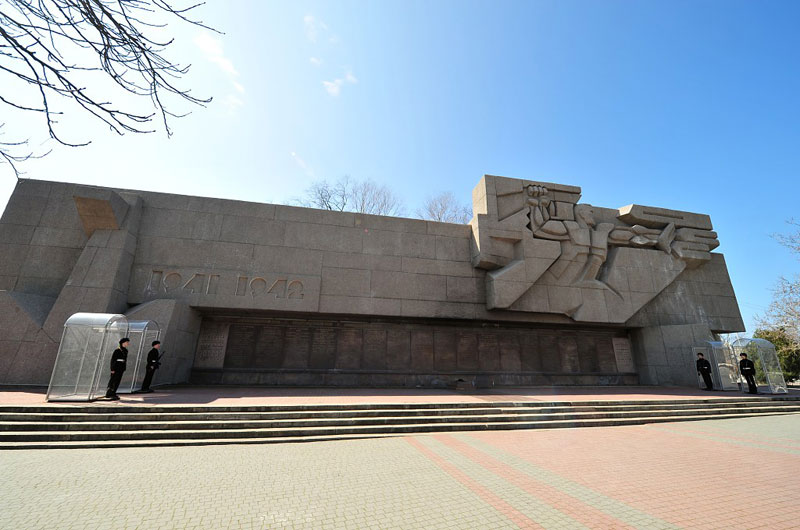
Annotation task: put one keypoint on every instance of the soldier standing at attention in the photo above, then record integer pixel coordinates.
(704, 369)
(748, 370)
(152, 366)
(118, 360)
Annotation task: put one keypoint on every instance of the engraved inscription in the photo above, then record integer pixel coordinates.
(270, 344)
(162, 281)
(172, 281)
(195, 284)
(623, 354)
(211, 345)
(257, 286)
(296, 290)
(280, 288)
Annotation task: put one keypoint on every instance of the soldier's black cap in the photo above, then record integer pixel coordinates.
(124, 340)
(156, 342)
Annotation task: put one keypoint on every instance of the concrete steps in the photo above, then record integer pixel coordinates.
(101, 425)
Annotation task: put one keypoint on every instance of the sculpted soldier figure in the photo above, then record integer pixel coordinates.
(584, 242)
(544, 252)
(704, 369)
(152, 365)
(748, 370)
(118, 361)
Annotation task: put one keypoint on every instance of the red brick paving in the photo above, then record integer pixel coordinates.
(567, 504)
(689, 482)
(490, 498)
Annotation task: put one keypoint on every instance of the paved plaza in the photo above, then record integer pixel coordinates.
(740, 473)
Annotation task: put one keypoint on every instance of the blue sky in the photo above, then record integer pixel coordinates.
(691, 105)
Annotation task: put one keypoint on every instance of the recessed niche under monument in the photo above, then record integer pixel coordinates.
(405, 352)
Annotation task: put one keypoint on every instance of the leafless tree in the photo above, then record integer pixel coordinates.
(57, 53)
(367, 196)
(784, 310)
(445, 208)
(327, 196)
(346, 194)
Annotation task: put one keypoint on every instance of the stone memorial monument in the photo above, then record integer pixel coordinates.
(538, 288)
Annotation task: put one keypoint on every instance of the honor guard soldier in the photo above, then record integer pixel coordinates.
(748, 370)
(118, 361)
(704, 369)
(152, 365)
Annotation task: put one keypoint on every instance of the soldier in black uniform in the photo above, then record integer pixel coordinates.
(704, 369)
(748, 370)
(118, 360)
(152, 366)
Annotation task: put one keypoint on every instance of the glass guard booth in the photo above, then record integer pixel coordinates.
(142, 334)
(82, 366)
(724, 365)
(769, 376)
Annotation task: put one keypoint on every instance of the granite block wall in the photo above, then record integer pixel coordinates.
(193, 262)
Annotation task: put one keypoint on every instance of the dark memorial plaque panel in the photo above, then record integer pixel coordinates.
(444, 351)
(548, 348)
(211, 345)
(241, 346)
(587, 353)
(398, 349)
(623, 354)
(323, 348)
(509, 352)
(297, 347)
(488, 352)
(467, 348)
(269, 348)
(422, 351)
(530, 359)
(408, 352)
(374, 349)
(568, 351)
(605, 355)
(348, 348)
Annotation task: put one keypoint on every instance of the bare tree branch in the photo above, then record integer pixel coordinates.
(445, 208)
(352, 196)
(103, 37)
(784, 311)
(369, 197)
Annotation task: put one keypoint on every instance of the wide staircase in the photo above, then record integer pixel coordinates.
(101, 425)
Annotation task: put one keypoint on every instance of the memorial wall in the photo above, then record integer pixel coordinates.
(538, 288)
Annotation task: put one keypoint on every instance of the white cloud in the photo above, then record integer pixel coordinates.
(316, 61)
(212, 47)
(334, 88)
(232, 102)
(302, 164)
(313, 27)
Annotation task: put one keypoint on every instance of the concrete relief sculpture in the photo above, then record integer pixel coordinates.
(546, 253)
